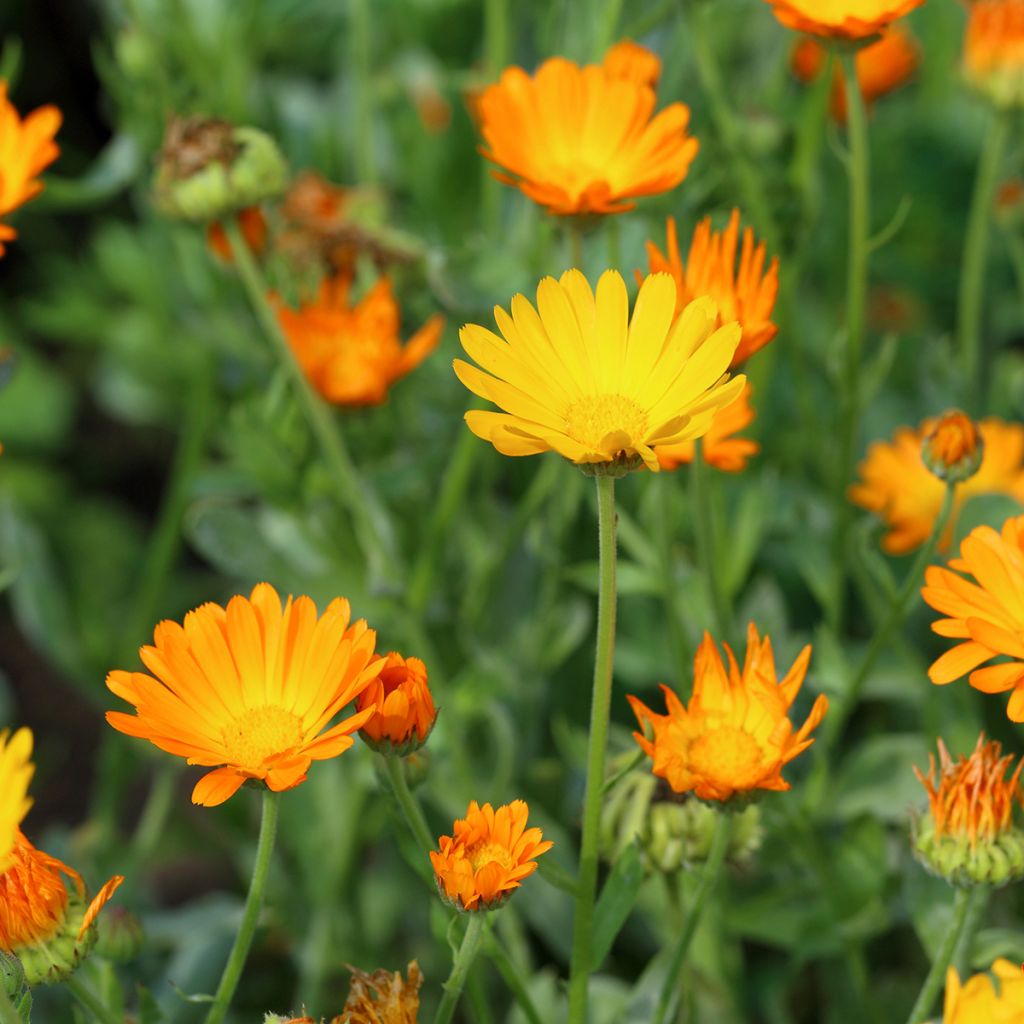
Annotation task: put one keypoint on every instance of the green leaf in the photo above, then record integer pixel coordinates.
(992, 943)
(149, 1009)
(616, 901)
(878, 778)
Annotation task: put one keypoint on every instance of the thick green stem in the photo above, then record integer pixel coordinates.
(250, 915)
(972, 266)
(975, 914)
(89, 1001)
(600, 710)
(411, 809)
(937, 974)
(460, 967)
(708, 880)
(704, 528)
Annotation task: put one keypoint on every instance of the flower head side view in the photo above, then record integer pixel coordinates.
(841, 19)
(250, 689)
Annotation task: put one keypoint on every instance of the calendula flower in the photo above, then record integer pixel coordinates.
(882, 67)
(577, 376)
(488, 856)
(841, 19)
(746, 294)
(26, 148)
(249, 690)
(581, 140)
(986, 615)
(719, 446)
(254, 230)
(633, 62)
(896, 484)
(351, 352)
(383, 997)
(735, 735)
(979, 1001)
(994, 50)
(404, 711)
(16, 770)
(953, 448)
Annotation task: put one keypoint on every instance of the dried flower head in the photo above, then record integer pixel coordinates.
(979, 1001)
(719, 447)
(383, 997)
(841, 19)
(994, 50)
(405, 712)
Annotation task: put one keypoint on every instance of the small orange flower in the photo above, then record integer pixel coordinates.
(581, 140)
(747, 295)
(248, 690)
(16, 770)
(633, 62)
(26, 148)
(841, 19)
(383, 997)
(254, 231)
(352, 353)
(489, 855)
(978, 1001)
(735, 735)
(405, 711)
(994, 50)
(719, 447)
(952, 450)
(898, 486)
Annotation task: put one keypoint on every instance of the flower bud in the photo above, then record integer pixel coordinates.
(405, 712)
(120, 935)
(953, 448)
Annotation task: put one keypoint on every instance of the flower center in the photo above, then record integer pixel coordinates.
(483, 854)
(606, 423)
(730, 756)
(259, 734)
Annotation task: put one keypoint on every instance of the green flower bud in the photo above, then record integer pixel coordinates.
(57, 957)
(996, 861)
(953, 448)
(120, 935)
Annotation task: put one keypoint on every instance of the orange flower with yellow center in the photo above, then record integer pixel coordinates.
(351, 353)
(383, 997)
(735, 735)
(841, 19)
(896, 484)
(582, 140)
(746, 294)
(26, 148)
(16, 770)
(987, 615)
(489, 855)
(719, 447)
(979, 1001)
(249, 689)
(994, 50)
(404, 708)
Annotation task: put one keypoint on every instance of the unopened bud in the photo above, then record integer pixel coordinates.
(119, 935)
(953, 448)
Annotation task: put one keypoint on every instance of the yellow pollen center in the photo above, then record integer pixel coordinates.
(485, 853)
(730, 756)
(260, 734)
(606, 423)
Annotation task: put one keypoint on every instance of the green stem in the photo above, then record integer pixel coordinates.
(250, 915)
(461, 964)
(368, 516)
(972, 267)
(499, 956)
(360, 58)
(600, 710)
(496, 50)
(708, 880)
(410, 806)
(704, 529)
(975, 913)
(89, 1001)
(155, 812)
(575, 237)
(937, 974)
(8, 1014)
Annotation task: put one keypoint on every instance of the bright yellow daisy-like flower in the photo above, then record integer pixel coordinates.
(735, 735)
(16, 770)
(994, 50)
(979, 1001)
(986, 616)
(719, 447)
(577, 376)
(404, 708)
(26, 148)
(746, 294)
(249, 689)
(582, 140)
(841, 19)
(898, 486)
(488, 856)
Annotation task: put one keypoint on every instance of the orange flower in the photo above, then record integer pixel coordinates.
(881, 67)
(747, 295)
(994, 50)
(404, 708)
(952, 450)
(26, 148)
(986, 615)
(979, 1002)
(250, 688)
(254, 231)
(719, 447)
(735, 735)
(352, 353)
(898, 486)
(841, 19)
(383, 997)
(581, 140)
(16, 770)
(633, 62)
(489, 855)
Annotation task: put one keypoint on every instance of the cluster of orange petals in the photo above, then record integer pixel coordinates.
(746, 293)
(994, 40)
(881, 67)
(979, 1001)
(351, 352)
(896, 484)
(841, 19)
(719, 446)
(404, 707)
(26, 148)
(972, 798)
(986, 616)
(249, 689)
(582, 140)
(735, 735)
(488, 856)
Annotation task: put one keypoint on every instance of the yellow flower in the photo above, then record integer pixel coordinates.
(735, 735)
(978, 1002)
(383, 997)
(898, 486)
(250, 688)
(16, 770)
(404, 711)
(994, 50)
(719, 447)
(578, 377)
(841, 19)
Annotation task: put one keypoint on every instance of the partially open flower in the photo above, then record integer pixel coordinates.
(405, 712)
(719, 447)
(16, 770)
(994, 50)
(979, 1001)
(489, 855)
(841, 19)
(953, 448)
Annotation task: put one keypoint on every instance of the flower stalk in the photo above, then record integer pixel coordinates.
(411, 809)
(461, 964)
(86, 998)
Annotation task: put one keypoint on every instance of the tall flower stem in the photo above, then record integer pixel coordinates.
(975, 914)
(975, 255)
(708, 880)
(369, 518)
(361, 62)
(87, 999)
(409, 804)
(581, 963)
(704, 529)
(496, 50)
(463, 961)
(933, 982)
(253, 902)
